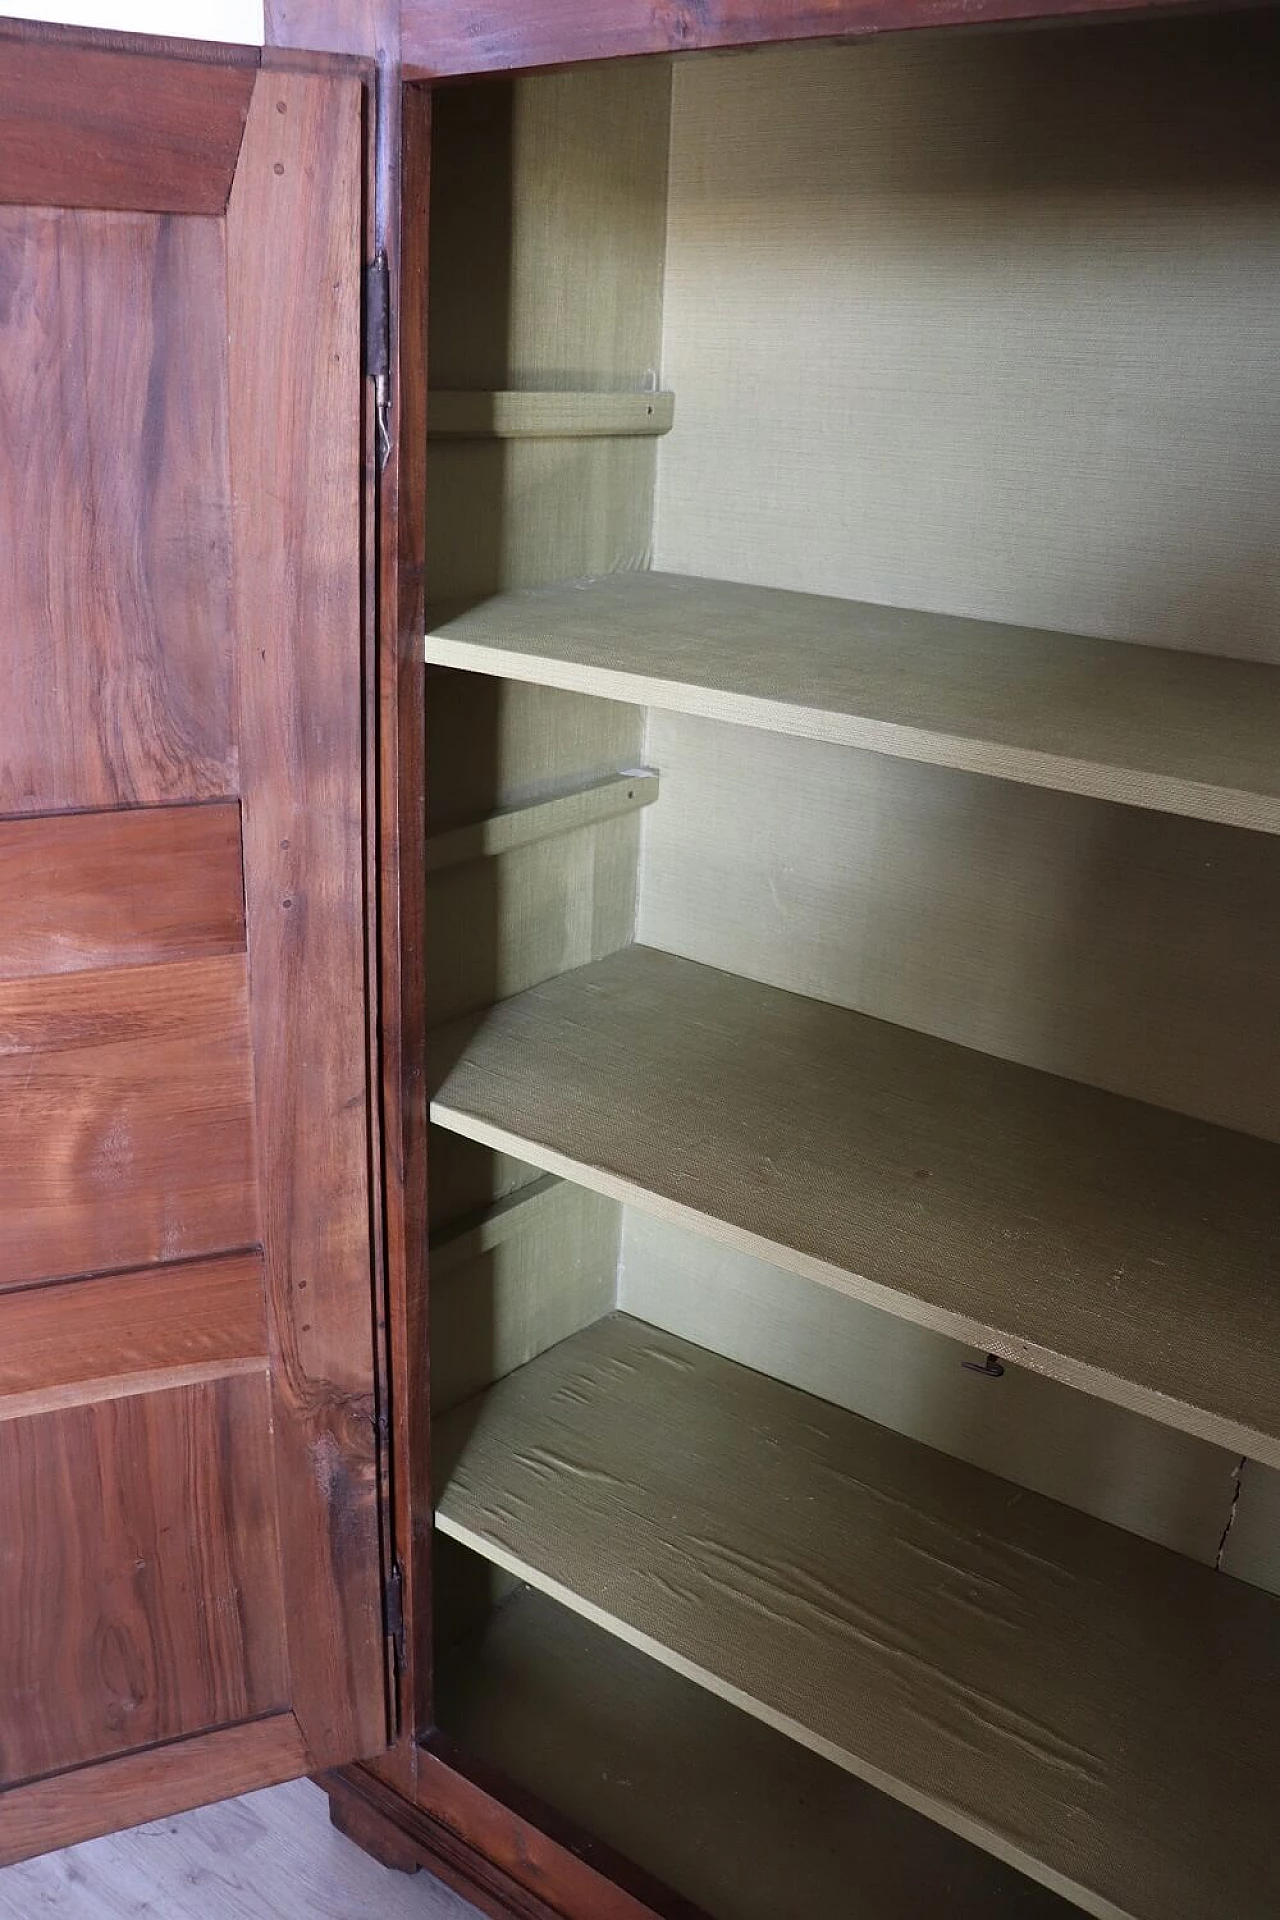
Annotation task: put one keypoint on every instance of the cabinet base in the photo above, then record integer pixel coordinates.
(505, 1862)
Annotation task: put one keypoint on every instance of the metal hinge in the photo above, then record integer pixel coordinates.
(377, 346)
(393, 1613)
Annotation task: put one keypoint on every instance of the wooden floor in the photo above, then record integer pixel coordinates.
(269, 1856)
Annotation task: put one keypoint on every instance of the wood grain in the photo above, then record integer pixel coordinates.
(625, 1748)
(74, 1806)
(139, 1578)
(295, 226)
(1113, 1246)
(335, 26)
(115, 677)
(206, 1313)
(488, 36)
(1089, 1708)
(1148, 727)
(126, 1119)
(119, 889)
(401, 904)
(82, 126)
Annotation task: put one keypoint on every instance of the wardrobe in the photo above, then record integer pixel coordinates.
(638, 843)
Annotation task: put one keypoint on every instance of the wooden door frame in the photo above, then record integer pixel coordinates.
(147, 150)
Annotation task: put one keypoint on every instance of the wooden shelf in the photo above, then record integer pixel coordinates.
(625, 1749)
(1090, 1708)
(453, 415)
(1116, 1247)
(1178, 732)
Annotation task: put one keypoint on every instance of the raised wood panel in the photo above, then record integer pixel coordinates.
(119, 889)
(492, 36)
(189, 1440)
(295, 229)
(89, 1334)
(126, 1119)
(139, 1574)
(115, 520)
(1088, 1707)
(91, 127)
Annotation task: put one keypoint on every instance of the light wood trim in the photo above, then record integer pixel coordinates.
(1121, 1249)
(1091, 1709)
(625, 1748)
(547, 416)
(543, 820)
(466, 1240)
(1178, 732)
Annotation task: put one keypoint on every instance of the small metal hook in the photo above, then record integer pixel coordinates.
(990, 1368)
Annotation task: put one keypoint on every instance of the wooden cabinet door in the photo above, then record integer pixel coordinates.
(190, 1594)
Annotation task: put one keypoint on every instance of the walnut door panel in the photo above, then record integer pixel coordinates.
(91, 890)
(116, 673)
(127, 1332)
(139, 1573)
(190, 1580)
(126, 1118)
